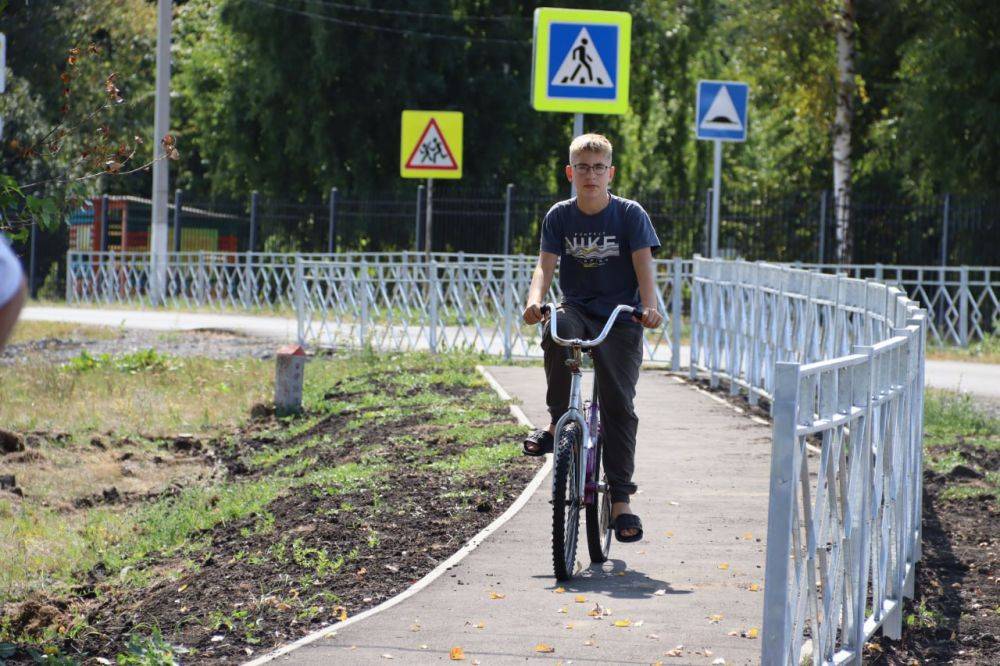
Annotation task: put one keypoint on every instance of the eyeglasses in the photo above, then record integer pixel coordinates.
(584, 169)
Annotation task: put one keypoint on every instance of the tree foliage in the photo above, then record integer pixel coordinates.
(292, 97)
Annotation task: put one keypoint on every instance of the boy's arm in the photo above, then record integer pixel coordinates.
(642, 261)
(541, 280)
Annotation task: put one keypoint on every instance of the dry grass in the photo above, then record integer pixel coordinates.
(27, 331)
(192, 395)
(57, 476)
(982, 351)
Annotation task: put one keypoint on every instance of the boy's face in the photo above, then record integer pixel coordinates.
(583, 172)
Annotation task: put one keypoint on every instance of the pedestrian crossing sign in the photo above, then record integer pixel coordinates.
(721, 110)
(431, 145)
(581, 61)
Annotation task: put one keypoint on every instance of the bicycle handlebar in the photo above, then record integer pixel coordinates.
(550, 309)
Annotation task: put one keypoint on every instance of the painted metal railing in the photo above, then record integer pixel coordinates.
(963, 303)
(841, 361)
(475, 303)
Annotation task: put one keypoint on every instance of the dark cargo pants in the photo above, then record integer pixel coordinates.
(616, 365)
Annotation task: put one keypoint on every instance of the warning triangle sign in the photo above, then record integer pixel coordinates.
(722, 113)
(582, 65)
(432, 151)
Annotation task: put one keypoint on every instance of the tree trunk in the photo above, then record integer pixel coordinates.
(844, 28)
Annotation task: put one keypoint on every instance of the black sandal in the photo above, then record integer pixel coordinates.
(627, 521)
(538, 443)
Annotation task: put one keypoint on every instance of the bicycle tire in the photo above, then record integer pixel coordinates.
(598, 519)
(565, 505)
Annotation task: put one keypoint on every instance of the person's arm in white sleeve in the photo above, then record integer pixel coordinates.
(12, 291)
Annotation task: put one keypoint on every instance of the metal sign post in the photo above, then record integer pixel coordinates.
(161, 164)
(429, 220)
(577, 131)
(720, 115)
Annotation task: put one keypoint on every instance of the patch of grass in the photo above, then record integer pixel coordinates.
(28, 331)
(956, 428)
(480, 459)
(983, 351)
(923, 617)
(948, 415)
(146, 360)
(190, 394)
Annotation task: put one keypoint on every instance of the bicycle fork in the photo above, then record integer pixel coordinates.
(574, 414)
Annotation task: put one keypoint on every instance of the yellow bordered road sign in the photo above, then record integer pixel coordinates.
(431, 145)
(581, 61)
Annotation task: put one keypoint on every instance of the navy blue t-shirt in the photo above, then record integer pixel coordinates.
(595, 252)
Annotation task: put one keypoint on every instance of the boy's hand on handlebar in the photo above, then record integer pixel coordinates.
(533, 313)
(651, 317)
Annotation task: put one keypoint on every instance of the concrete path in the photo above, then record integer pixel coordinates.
(982, 379)
(167, 320)
(703, 472)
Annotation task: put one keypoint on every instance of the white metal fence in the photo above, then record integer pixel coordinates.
(841, 361)
(963, 303)
(472, 304)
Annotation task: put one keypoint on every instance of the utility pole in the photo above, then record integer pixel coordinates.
(161, 165)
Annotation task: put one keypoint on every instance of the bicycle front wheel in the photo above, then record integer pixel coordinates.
(565, 503)
(598, 517)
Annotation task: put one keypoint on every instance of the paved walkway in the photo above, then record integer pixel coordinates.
(982, 379)
(703, 471)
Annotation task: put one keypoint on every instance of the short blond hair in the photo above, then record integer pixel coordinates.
(590, 143)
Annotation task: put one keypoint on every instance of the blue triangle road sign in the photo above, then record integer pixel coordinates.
(721, 110)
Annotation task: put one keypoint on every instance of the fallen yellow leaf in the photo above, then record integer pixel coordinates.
(542, 647)
(481, 625)
(623, 623)
(569, 625)
(724, 566)
(670, 535)
(676, 652)
(580, 599)
(715, 619)
(559, 590)
(753, 632)
(182, 588)
(497, 595)
(414, 627)
(457, 654)
(343, 614)
(748, 536)
(754, 587)
(562, 610)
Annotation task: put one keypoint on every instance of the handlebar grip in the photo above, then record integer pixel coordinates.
(637, 313)
(545, 309)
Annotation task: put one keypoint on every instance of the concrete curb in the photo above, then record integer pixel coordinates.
(442, 568)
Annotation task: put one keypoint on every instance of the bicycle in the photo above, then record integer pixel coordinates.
(577, 480)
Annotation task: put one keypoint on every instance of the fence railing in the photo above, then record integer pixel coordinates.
(841, 361)
(963, 303)
(443, 305)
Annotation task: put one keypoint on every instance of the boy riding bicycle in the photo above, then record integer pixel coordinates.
(604, 247)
